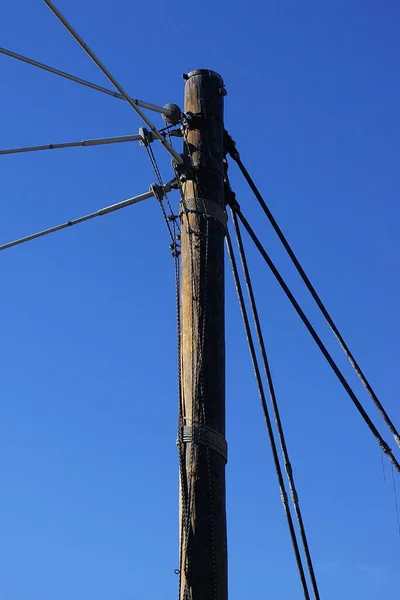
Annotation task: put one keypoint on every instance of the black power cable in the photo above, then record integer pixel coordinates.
(386, 449)
(261, 392)
(231, 149)
(271, 388)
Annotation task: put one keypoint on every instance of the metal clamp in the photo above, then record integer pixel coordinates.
(204, 207)
(206, 437)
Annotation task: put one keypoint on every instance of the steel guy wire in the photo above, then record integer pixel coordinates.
(382, 443)
(231, 148)
(84, 82)
(111, 78)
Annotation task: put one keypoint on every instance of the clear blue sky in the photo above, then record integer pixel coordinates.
(88, 464)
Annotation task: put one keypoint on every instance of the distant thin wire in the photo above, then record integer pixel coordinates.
(395, 500)
(383, 466)
(180, 444)
(99, 213)
(111, 78)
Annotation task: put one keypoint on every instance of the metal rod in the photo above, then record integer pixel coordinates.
(93, 86)
(98, 213)
(97, 142)
(111, 78)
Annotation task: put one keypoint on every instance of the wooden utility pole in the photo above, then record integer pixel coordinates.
(202, 443)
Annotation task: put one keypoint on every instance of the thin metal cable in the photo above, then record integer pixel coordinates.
(271, 388)
(111, 78)
(203, 407)
(235, 155)
(187, 492)
(278, 469)
(154, 164)
(181, 454)
(99, 213)
(186, 488)
(83, 82)
(175, 254)
(383, 467)
(160, 181)
(382, 443)
(395, 500)
(175, 218)
(200, 353)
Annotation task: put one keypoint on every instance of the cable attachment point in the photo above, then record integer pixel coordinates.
(158, 191)
(184, 171)
(230, 198)
(192, 121)
(230, 147)
(175, 250)
(172, 185)
(146, 137)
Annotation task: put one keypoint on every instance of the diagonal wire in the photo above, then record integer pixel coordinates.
(274, 449)
(236, 156)
(84, 143)
(395, 500)
(111, 78)
(271, 388)
(384, 446)
(98, 213)
(383, 467)
(89, 84)
(171, 231)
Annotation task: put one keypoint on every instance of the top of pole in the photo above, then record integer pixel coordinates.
(203, 72)
(204, 107)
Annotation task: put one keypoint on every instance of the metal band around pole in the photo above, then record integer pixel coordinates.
(205, 207)
(206, 437)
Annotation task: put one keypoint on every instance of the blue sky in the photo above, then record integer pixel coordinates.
(88, 356)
